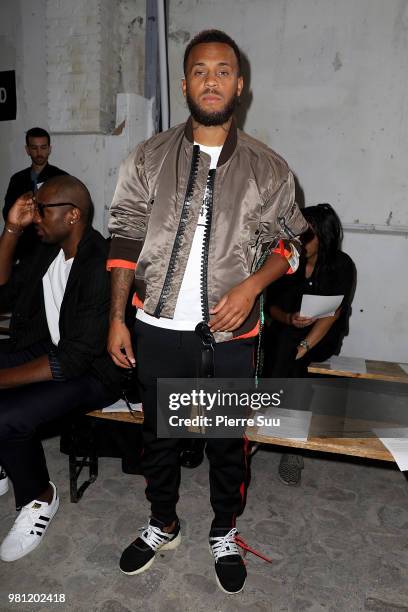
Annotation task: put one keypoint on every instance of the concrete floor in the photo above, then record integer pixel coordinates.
(338, 542)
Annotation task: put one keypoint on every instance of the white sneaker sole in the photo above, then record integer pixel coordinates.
(34, 545)
(169, 546)
(4, 486)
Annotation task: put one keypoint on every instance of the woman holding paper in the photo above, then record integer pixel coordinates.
(295, 338)
(309, 329)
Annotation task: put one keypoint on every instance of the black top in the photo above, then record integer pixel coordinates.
(84, 313)
(20, 183)
(287, 292)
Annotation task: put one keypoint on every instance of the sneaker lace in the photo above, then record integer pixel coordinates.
(225, 545)
(153, 536)
(247, 548)
(228, 545)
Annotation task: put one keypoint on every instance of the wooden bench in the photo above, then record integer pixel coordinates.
(367, 447)
(376, 370)
(90, 460)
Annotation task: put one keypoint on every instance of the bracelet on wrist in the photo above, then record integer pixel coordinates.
(304, 344)
(11, 228)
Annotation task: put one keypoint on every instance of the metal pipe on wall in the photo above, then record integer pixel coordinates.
(164, 76)
(371, 228)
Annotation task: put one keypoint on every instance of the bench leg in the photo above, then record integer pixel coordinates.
(76, 465)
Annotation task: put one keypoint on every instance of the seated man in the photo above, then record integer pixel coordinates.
(55, 361)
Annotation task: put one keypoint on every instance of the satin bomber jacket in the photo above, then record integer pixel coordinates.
(250, 199)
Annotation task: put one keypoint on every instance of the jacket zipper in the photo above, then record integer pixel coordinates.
(180, 231)
(208, 203)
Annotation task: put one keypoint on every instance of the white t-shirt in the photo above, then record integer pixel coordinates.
(188, 307)
(54, 284)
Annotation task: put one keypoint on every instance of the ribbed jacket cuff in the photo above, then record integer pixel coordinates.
(125, 248)
(55, 366)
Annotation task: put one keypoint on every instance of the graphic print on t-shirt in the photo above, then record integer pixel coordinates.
(188, 307)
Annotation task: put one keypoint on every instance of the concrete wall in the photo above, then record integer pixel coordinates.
(22, 48)
(329, 84)
(82, 64)
(71, 61)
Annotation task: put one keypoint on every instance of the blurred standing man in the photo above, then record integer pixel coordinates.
(38, 148)
(194, 210)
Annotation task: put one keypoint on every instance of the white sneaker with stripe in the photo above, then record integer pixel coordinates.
(4, 485)
(29, 528)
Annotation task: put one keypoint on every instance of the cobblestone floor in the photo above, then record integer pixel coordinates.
(338, 542)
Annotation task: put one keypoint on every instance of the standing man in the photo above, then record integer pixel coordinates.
(38, 148)
(194, 210)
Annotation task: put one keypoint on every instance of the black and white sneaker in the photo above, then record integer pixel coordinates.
(139, 556)
(29, 528)
(230, 569)
(4, 485)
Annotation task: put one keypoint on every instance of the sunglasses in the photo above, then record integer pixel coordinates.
(40, 206)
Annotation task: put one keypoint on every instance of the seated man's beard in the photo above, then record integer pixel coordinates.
(211, 119)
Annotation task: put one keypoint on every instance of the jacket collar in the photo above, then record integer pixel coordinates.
(229, 144)
(81, 252)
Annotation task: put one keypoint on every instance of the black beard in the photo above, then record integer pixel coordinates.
(211, 119)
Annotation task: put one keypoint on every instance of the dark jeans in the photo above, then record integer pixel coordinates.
(24, 409)
(162, 353)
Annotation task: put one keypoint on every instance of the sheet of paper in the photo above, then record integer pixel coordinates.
(396, 441)
(121, 406)
(348, 364)
(319, 306)
(404, 366)
(293, 424)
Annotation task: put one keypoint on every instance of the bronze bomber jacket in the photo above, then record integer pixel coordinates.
(156, 205)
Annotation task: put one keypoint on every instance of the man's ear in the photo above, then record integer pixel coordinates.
(27, 150)
(240, 86)
(184, 86)
(73, 216)
(50, 149)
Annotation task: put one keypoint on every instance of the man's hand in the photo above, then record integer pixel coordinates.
(120, 345)
(233, 308)
(297, 321)
(301, 352)
(21, 214)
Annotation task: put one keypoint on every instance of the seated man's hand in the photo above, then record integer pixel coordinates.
(120, 345)
(21, 214)
(233, 308)
(297, 321)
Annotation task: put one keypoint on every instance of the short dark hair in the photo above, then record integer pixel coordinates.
(212, 36)
(37, 132)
